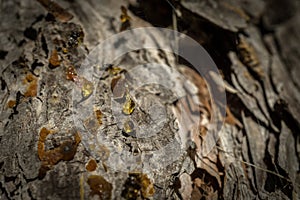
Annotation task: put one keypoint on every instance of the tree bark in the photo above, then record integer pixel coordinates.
(45, 155)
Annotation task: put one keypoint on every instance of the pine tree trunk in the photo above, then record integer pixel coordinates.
(45, 155)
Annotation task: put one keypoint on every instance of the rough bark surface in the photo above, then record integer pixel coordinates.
(44, 155)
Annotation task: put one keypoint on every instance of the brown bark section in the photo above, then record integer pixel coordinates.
(255, 46)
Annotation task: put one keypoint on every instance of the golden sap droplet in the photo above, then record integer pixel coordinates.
(128, 126)
(128, 106)
(87, 88)
(114, 70)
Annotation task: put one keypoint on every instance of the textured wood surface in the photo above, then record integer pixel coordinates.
(43, 155)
